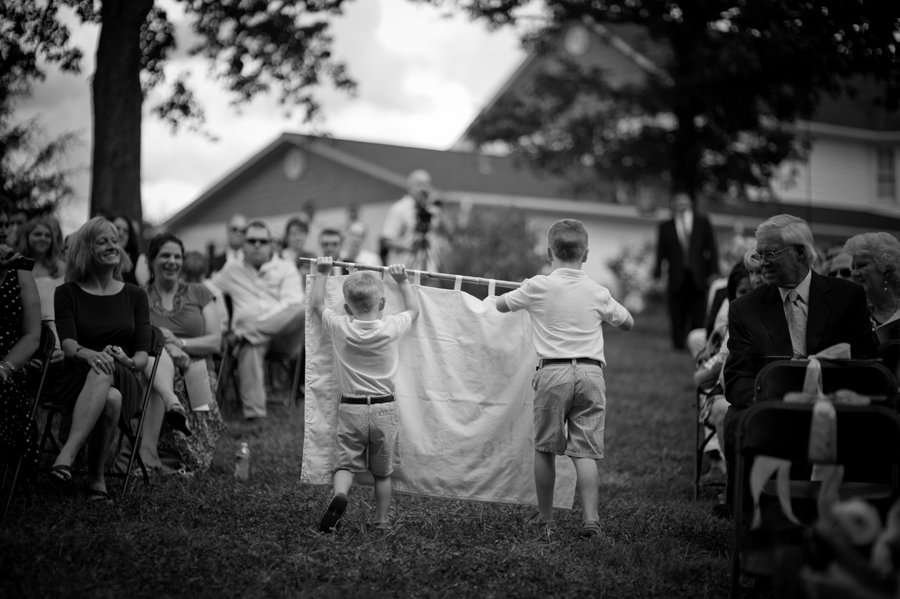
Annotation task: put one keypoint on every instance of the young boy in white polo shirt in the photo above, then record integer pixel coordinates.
(365, 359)
(567, 309)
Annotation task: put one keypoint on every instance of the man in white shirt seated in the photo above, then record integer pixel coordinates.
(268, 300)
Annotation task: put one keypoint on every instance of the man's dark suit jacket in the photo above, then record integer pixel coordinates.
(758, 329)
(703, 255)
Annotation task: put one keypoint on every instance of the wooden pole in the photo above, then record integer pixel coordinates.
(422, 273)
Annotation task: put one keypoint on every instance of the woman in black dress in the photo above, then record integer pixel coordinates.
(104, 329)
(20, 333)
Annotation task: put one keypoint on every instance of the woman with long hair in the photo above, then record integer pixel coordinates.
(104, 329)
(38, 240)
(138, 274)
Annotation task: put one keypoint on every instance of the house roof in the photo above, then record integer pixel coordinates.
(455, 172)
(461, 173)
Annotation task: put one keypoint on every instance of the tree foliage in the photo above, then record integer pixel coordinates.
(31, 169)
(717, 115)
(253, 47)
(494, 243)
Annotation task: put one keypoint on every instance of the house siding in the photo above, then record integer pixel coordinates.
(840, 174)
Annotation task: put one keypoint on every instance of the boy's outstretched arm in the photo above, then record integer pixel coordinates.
(323, 269)
(628, 324)
(410, 302)
(501, 304)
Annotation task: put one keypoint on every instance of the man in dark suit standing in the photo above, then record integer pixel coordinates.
(236, 229)
(688, 245)
(797, 313)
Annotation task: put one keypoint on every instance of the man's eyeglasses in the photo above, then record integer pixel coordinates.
(768, 256)
(241, 230)
(257, 242)
(844, 273)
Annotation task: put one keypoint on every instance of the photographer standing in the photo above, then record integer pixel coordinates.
(410, 235)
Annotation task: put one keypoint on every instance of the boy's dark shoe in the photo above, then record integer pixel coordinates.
(590, 529)
(333, 514)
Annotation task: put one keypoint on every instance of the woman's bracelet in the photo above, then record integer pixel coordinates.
(78, 349)
(7, 366)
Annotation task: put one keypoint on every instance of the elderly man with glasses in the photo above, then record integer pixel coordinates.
(268, 311)
(797, 313)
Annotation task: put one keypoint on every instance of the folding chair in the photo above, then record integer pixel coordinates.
(865, 434)
(701, 438)
(866, 377)
(44, 353)
(157, 344)
(226, 374)
(157, 341)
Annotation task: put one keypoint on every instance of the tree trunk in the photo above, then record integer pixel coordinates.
(117, 99)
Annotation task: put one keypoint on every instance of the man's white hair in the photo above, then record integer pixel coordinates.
(792, 231)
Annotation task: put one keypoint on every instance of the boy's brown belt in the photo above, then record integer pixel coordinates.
(571, 361)
(362, 401)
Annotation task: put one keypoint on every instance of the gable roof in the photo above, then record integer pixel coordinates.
(451, 171)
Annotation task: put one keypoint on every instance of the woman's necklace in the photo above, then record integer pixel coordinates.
(883, 313)
(166, 296)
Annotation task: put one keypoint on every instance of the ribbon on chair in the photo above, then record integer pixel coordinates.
(822, 450)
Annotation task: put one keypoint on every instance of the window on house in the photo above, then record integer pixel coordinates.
(886, 174)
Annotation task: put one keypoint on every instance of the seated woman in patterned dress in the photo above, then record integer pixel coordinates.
(20, 332)
(104, 330)
(189, 320)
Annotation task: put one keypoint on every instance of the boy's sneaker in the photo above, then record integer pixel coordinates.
(332, 517)
(590, 529)
(382, 526)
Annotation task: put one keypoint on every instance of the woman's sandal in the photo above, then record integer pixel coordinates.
(176, 418)
(61, 473)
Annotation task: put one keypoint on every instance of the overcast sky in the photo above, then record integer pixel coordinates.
(422, 77)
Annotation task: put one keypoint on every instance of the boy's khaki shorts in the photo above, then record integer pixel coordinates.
(570, 397)
(368, 438)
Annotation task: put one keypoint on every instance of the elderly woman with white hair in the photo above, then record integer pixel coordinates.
(876, 266)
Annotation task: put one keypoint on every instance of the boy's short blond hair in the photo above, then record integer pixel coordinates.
(362, 291)
(568, 239)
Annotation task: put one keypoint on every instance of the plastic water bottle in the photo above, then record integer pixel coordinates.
(242, 462)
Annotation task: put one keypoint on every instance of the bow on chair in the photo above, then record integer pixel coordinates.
(822, 450)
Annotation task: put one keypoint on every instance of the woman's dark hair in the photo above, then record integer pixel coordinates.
(133, 247)
(295, 222)
(734, 279)
(156, 244)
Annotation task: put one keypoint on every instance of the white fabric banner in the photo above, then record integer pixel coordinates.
(463, 389)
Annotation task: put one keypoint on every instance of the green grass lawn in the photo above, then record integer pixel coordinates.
(213, 536)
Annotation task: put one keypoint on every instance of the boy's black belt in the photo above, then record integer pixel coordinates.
(572, 361)
(370, 399)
